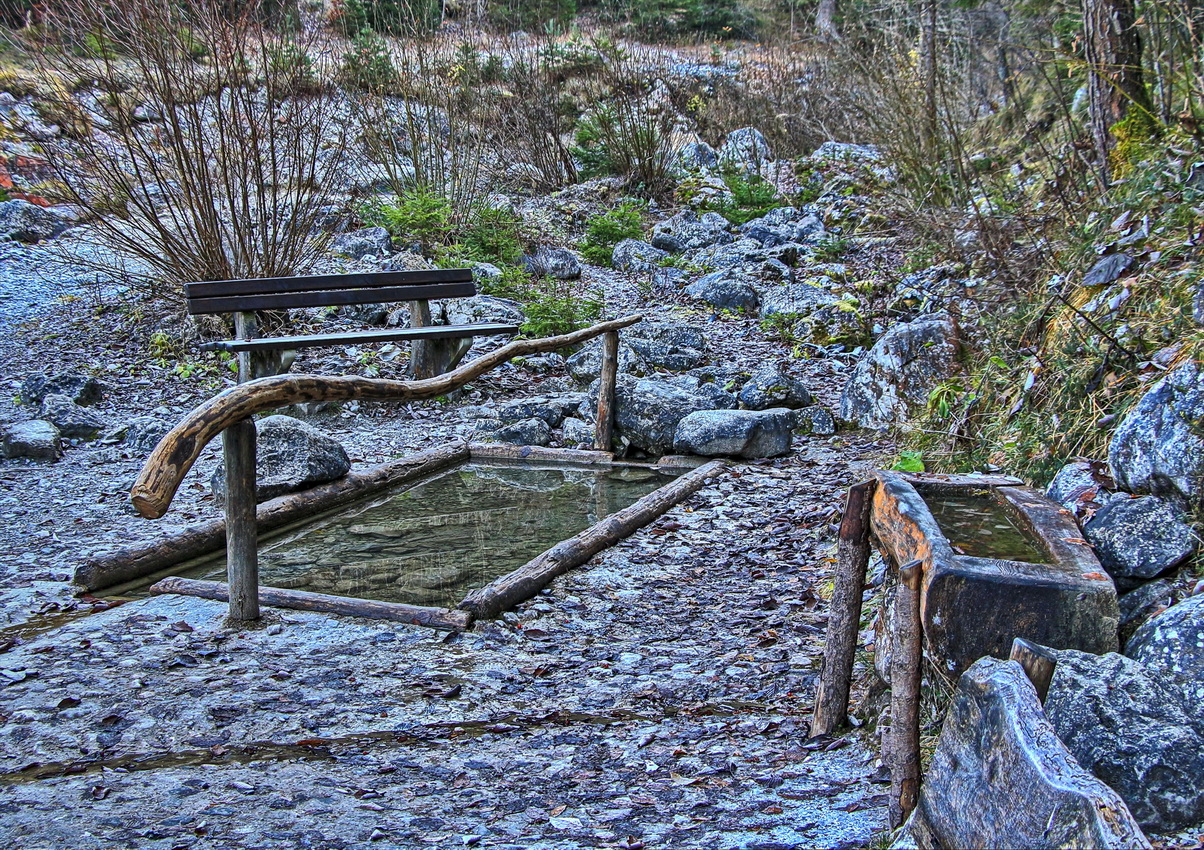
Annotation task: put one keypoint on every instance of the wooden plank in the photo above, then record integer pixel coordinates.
(132, 563)
(179, 449)
(907, 655)
(506, 592)
(507, 451)
(242, 541)
(290, 343)
(301, 600)
(604, 424)
(1038, 663)
(315, 283)
(844, 618)
(328, 298)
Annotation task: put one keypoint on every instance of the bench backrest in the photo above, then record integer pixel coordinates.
(282, 293)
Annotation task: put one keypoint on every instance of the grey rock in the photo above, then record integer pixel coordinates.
(892, 381)
(735, 433)
(485, 272)
(1137, 606)
(558, 263)
(291, 455)
(771, 387)
(139, 435)
(687, 231)
(71, 419)
(1173, 642)
(369, 241)
(578, 432)
(814, 421)
(1132, 727)
(632, 255)
(1000, 777)
(746, 149)
(725, 291)
(1080, 485)
(698, 156)
(525, 432)
(1140, 538)
(1107, 269)
(26, 222)
(838, 324)
(1158, 448)
(586, 364)
(647, 410)
(799, 299)
(742, 256)
(671, 346)
(33, 438)
(80, 388)
(408, 261)
(479, 308)
(783, 225)
(846, 152)
(551, 409)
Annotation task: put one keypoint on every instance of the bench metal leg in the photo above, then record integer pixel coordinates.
(242, 549)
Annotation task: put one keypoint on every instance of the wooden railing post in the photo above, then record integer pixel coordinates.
(844, 618)
(1038, 663)
(604, 427)
(907, 653)
(242, 549)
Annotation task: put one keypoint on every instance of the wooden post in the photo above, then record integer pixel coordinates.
(245, 327)
(907, 653)
(1038, 663)
(844, 618)
(604, 427)
(242, 550)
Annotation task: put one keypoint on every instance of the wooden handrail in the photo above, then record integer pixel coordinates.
(179, 449)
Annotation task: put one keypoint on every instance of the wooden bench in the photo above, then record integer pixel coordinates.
(435, 348)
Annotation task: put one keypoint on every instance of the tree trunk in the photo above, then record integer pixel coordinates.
(1112, 45)
(928, 54)
(825, 20)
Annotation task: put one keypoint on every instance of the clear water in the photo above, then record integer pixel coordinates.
(432, 543)
(978, 526)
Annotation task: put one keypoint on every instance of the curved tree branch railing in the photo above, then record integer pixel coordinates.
(179, 449)
(229, 414)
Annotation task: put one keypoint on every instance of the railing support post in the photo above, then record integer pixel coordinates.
(907, 655)
(242, 549)
(604, 427)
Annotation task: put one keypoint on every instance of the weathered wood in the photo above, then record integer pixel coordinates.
(969, 479)
(844, 618)
(316, 283)
(245, 328)
(1000, 777)
(132, 563)
(328, 298)
(242, 544)
(523, 583)
(907, 654)
(508, 451)
(435, 618)
(1038, 663)
(604, 425)
(290, 343)
(178, 450)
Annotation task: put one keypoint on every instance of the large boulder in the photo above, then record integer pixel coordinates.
(524, 432)
(80, 388)
(290, 455)
(1158, 448)
(687, 231)
(1134, 729)
(725, 291)
(1139, 605)
(586, 364)
(71, 419)
(1140, 538)
(138, 436)
(647, 411)
(1001, 778)
(550, 409)
(771, 387)
(735, 433)
(746, 150)
(370, 241)
(558, 263)
(892, 382)
(784, 225)
(796, 299)
(33, 438)
(1081, 485)
(668, 345)
(632, 255)
(1173, 642)
(26, 222)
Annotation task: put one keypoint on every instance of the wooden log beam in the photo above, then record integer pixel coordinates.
(508, 451)
(170, 461)
(507, 591)
(300, 600)
(242, 536)
(604, 426)
(1038, 663)
(907, 653)
(844, 618)
(132, 563)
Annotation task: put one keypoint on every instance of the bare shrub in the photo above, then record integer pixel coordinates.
(199, 160)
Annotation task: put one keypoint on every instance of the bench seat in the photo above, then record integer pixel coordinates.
(292, 343)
